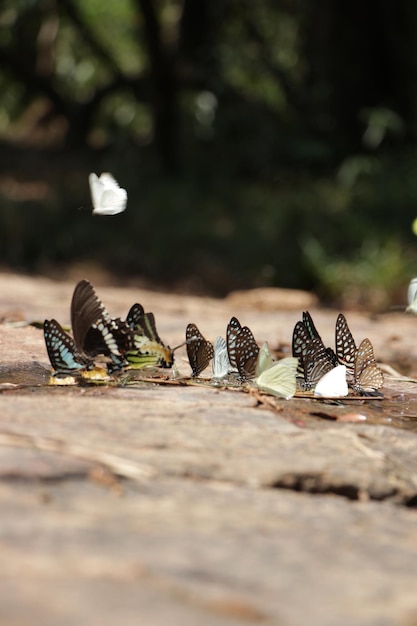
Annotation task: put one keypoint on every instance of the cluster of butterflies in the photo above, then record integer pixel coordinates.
(329, 371)
(134, 343)
(313, 366)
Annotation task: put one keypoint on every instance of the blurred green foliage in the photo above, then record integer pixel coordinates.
(266, 143)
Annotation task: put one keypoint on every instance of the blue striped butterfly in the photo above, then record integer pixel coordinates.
(242, 349)
(199, 350)
(94, 331)
(146, 347)
(62, 351)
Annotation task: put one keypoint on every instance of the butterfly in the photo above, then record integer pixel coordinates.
(221, 364)
(95, 332)
(345, 345)
(333, 384)
(108, 198)
(276, 377)
(316, 364)
(313, 334)
(242, 349)
(314, 359)
(367, 376)
(62, 351)
(265, 359)
(199, 350)
(146, 348)
(412, 296)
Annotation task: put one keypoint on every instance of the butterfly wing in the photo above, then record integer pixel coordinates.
(108, 181)
(221, 365)
(95, 332)
(345, 345)
(96, 190)
(62, 351)
(333, 384)
(279, 379)
(265, 359)
(316, 363)
(300, 343)
(86, 309)
(412, 296)
(310, 326)
(199, 350)
(232, 331)
(313, 334)
(135, 316)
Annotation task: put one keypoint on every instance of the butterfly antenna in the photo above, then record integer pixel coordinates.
(182, 344)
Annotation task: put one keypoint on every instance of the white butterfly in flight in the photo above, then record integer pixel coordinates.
(107, 196)
(412, 296)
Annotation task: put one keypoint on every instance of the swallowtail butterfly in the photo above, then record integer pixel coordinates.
(146, 348)
(95, 332)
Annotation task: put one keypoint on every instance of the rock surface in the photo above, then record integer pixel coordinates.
(161, 504)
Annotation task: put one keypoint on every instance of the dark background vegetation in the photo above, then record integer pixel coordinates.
(262, 142)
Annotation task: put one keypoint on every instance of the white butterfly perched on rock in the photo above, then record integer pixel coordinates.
(107, 196)
(333, 384)
(276, 377)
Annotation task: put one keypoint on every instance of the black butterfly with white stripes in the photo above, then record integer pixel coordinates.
(94, 330)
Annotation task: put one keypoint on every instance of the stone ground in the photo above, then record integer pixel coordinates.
(192, 505)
